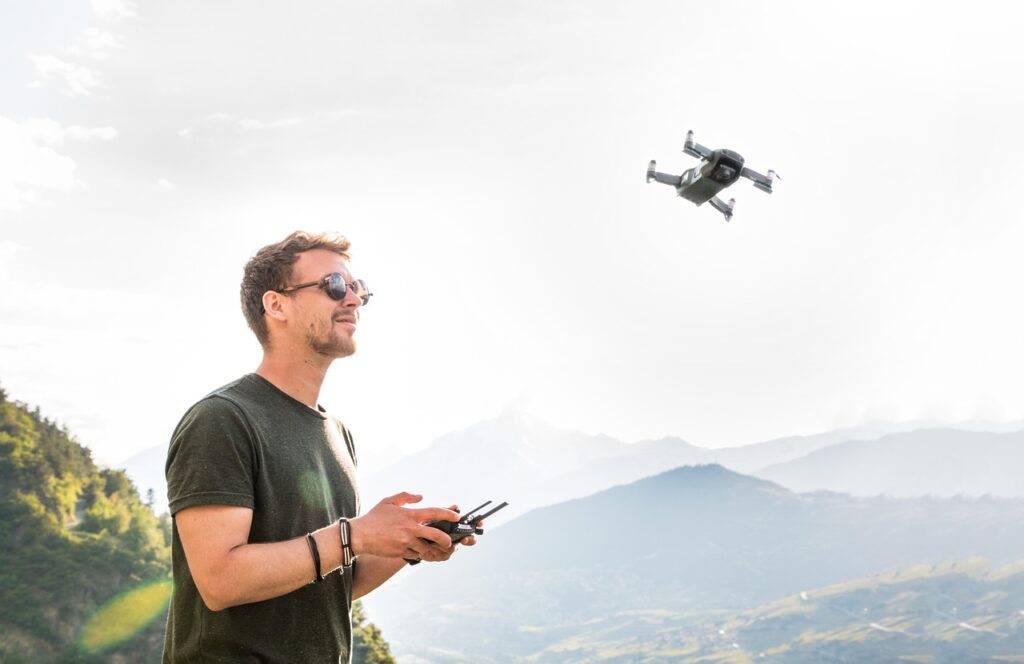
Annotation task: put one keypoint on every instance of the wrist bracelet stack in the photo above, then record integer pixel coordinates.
(347, 556)
(345, 529)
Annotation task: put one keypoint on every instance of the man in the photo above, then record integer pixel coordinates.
(261, 481)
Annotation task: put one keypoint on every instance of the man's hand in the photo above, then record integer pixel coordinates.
(468, 540)
(393, 531)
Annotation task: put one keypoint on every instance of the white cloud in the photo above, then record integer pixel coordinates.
(50, 132)
(166, 185)
(345, 113)
(97, 43)
(113, 8)
(251, 124)
(248, 124)
(8, 251)
(29, 163)
(84, 134)
(80, 80)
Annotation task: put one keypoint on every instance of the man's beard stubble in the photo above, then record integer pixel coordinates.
(330, 342)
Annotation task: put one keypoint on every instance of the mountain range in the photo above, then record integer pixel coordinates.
(690, 541)
(517, 458)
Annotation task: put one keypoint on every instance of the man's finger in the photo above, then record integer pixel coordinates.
(435, 536)
(424, 549)
(403, 498)
(424, 514)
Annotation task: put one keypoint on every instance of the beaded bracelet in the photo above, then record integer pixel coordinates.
(345, 530)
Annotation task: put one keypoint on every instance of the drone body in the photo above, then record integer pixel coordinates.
(718, 170)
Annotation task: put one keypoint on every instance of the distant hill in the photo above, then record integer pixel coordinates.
(690, 540)
(147, 472)
(514, 457)
(939, 462)
(747, 458)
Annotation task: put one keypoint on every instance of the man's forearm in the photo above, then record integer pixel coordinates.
(256, 572)
(371, 571)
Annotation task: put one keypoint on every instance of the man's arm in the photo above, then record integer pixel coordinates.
(371, 571)
(228, 571)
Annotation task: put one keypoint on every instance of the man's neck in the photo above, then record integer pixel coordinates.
(300, 379)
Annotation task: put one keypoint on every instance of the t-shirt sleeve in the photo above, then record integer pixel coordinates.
(349, 442)
(211, 459)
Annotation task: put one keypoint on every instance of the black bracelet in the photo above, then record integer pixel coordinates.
(316, 557)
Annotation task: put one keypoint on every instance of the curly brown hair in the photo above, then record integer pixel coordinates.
(271, 269)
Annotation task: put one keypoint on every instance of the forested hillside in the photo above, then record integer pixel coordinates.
(84, 562)
(76, 542)
(959, 613)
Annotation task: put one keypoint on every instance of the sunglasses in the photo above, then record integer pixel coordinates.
(335, 286)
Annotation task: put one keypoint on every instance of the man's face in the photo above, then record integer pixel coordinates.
(328, 326)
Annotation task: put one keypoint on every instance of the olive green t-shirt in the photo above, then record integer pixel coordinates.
(248, 444)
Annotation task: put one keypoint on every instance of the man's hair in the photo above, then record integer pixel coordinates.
(271, 269)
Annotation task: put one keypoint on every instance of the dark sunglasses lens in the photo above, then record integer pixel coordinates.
(335, 286)
(361, 290)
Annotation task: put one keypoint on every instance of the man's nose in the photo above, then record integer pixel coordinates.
(351, 300)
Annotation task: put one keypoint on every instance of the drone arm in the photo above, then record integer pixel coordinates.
(664, 178)
(695, 149)
(723, 207)
(762, 182)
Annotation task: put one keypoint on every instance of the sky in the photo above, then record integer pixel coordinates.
(487, 162)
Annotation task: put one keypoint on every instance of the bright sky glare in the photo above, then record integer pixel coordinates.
(487, 161)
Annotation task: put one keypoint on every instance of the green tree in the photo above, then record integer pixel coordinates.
(368, 644)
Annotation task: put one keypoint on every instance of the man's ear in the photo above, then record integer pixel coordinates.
(273, 304)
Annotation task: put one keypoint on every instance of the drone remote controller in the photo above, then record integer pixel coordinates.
(464, 527)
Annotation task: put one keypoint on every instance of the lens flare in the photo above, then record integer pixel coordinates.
(125, 616)
(313, 489)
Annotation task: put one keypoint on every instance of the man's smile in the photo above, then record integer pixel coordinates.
(348, 321)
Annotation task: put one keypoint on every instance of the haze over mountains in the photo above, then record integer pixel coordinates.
(518, 458)
(938, 462)
(691, 540)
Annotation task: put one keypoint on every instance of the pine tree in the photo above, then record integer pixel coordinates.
(368, 644)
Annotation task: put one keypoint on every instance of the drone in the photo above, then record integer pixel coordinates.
(718, 169)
